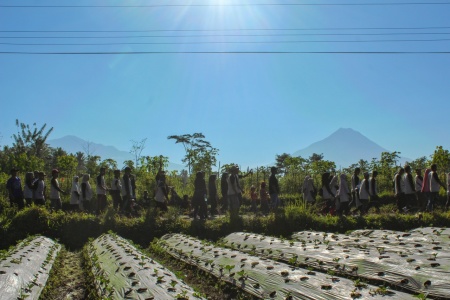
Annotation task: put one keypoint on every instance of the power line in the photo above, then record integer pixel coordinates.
(221, 30)
(218, 42)
(228, 5)
(225, 35)
(226, 52)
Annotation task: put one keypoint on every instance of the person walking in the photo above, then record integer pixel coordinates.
(410, 188)
(162, 192)
(40, 189)
(224, 191)
(373, 192)
(86, 193)
(234, 190)
(264, 197)
(115, 191)
(344, 195)
(101, 190)
(28, 188)
(327, 194)
(364, 194)
(14, 187)
(435, 185)
(199, 199)
(128, 189)
(274, 188)
(426, 187)
(75, 194)
(399, 188)
(355, 183)
(212, 193)
(418, 183)
(55, 191)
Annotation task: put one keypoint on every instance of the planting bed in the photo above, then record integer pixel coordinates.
(24, 270)
(416, 261)
(120, 271)
(265, 278)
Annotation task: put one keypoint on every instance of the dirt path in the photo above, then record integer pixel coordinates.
(67, 280)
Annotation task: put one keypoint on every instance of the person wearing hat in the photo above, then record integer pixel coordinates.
(55, 190)
(39, 192)
(14, 187)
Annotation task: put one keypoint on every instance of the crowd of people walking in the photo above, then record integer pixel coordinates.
(339, 196)
(419, 193)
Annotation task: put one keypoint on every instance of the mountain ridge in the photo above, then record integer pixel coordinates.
(345, 147)
(73, 144)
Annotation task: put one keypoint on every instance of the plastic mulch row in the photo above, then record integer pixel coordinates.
(367, 258)
(265, 278)
(123, 272)
(24, 270)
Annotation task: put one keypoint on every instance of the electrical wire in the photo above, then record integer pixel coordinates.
(225, 52)
(218, 30)
(218, 42)
(225, 35)
(229, 5)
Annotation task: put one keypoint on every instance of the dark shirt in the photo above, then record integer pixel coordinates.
(199, 187)
(212, 189)
(224, 186)
(409, 178)
(14, 186)
(274, 188)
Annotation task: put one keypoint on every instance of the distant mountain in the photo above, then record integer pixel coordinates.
(345, 147)
(73, 144)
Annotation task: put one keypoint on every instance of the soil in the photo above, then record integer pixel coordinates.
(67, 279)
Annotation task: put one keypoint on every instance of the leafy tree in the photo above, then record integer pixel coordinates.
(441, 157)
(152, 164)
(315, 157)
(136, 150)
(200, 155)
(387, 169)
(31, 139)
(281, 162)
(92, 164)
(419, 163)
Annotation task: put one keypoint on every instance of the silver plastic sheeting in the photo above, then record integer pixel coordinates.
(24, 270)
(266, 278)
(123, 272)
(418, 260)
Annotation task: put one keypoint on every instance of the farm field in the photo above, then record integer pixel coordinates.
(363, 264)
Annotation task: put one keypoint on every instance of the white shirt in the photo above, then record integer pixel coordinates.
(88, 193)
(343, 190)
(308, 189)
(39, 193)
(27, 192)
(101, 186)
(73, 193)
(434, 185)
(418, 183)
(363, 192)
(54, 193)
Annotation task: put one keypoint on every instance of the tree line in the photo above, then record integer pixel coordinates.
(30, 151)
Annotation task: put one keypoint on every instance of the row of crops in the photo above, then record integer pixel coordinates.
(366, 264)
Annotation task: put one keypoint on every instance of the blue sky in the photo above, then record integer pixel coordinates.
(250, 106)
